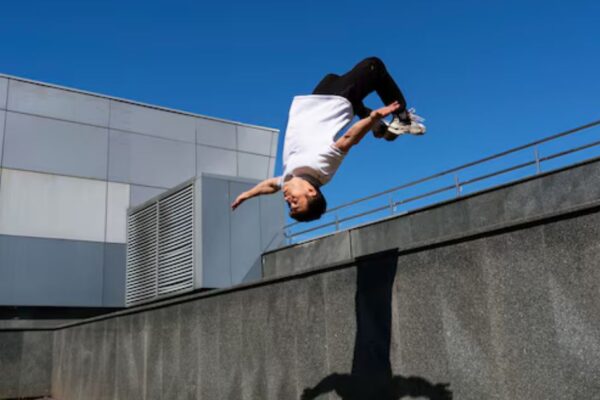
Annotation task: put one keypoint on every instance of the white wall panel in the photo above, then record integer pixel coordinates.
(216, 161)
(57, 103)
(141, 194)
(169, 125)
(252, 166)
(271, 167)
(2, 118)
(215, 133)
(52, 206)
(47, 145)
(254, 140)
(274, 144)
(3, 86)
(150, 161)
(116, 209)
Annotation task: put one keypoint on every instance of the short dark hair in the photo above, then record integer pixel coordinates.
(317, 205)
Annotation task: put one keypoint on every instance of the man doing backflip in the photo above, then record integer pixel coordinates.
(313, 151)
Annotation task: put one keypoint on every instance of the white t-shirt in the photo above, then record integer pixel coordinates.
(314, 122)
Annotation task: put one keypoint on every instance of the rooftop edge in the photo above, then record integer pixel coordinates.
(137, 103)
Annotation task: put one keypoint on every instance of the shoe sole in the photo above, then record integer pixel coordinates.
(390, 137)
(418, 133)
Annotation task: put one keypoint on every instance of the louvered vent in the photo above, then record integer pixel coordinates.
(160, 247)
(175, 238)
(141, 255)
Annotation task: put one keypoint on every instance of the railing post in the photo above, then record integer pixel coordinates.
(337, 223)
(538, 168)
(391, 200)
(457, 184)
(288, 236)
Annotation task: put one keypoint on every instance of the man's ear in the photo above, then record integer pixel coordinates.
(312, 192)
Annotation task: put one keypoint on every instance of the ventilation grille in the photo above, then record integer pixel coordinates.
(160, 247)
(175, 236)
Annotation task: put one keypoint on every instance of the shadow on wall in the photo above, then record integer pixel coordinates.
(371, 376)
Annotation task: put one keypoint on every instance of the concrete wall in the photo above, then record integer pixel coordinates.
(25, 363)
(511, 315)
(508, 312)
(72, 162)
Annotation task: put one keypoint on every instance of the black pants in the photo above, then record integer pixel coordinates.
(369, 75)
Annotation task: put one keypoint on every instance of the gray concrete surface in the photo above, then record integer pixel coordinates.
(511, 315)
(25, 364)
(507, 313)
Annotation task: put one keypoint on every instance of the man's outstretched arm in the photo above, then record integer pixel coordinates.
(355, 134)
(268, 186)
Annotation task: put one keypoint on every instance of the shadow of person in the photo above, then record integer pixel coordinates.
(371, 377)
(354, 387)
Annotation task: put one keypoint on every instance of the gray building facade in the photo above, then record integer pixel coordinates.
(73, 162)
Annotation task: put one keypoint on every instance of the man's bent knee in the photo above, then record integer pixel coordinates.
(374, 63)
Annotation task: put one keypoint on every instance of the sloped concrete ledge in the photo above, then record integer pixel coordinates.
(531, 198)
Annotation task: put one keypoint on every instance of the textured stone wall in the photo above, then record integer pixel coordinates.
(25, 363)
(510, 315)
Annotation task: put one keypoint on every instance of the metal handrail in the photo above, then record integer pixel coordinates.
(458, 185)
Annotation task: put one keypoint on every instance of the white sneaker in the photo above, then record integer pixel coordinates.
(397, 127)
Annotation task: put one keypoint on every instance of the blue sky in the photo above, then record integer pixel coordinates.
(487, 75)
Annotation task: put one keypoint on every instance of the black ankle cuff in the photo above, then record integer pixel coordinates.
(403, 116)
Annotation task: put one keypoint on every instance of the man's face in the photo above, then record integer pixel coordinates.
(296, 194)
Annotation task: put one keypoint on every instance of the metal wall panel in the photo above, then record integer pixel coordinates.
(116, 212)
(245, 233)
(215, 133)
(176, 241)
(160, 248)
(57, 103)
(2, 119)
(49, 272)
(169, 125)
(254, 140)
(48, 145)
(149, 161)
(113, 284)
(253, 166)
(52, 206)
(3, 94)
(272, 220)
(141, 194)
(216, 261)
(216, 161)
(271, 167)
(8, 271)
(274, 144)
(142, 255)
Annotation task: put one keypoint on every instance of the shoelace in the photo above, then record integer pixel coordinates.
(414, 117)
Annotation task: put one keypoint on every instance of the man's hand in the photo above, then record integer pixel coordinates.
(355, 134)
(239, 200)
(385, 111)
(267, 186)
